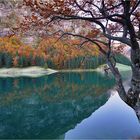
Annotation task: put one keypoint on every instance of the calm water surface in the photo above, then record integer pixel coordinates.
(65, 106)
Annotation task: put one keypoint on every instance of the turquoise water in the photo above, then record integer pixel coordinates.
(64, 106)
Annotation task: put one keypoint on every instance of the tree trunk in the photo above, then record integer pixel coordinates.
(135, 82)
(134, 91)
(117, 76)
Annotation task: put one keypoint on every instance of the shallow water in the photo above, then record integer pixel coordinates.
(64, 106)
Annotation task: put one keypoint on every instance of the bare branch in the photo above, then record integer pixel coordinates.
(125, 32)
(134, 8)
(94, 41)
(71, 18)
(84, 42)
(86, 11)
(113, 7)
(123, 40)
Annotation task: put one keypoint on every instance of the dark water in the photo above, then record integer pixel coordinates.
(64, 106)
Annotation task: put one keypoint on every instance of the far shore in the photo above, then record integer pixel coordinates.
(121, 67)
(77, 70)
(36, 71)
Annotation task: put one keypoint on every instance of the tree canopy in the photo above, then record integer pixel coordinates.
(108, 21)
(117, 20)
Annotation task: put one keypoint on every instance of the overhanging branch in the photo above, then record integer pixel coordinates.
(94, 41)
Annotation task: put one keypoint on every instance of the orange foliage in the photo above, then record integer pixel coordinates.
(48, 49)
(15, 61)
(16, 48)
(61, 51)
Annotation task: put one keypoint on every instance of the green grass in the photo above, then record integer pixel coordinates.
(122, 59)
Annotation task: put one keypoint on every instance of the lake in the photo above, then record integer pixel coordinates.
(65, 106)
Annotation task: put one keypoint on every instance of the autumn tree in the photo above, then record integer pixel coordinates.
(112, 20)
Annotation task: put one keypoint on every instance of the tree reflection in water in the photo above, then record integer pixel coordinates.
(49, 106)
(133, 100)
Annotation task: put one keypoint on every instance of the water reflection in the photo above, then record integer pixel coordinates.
(114, 120)
(133, 100)
(64, 105)
(47, 107)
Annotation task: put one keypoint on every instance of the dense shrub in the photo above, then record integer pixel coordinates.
(6, 60)
(22, 61)
(83, 62)
(1, 59)
(50, 63)
(39, 61)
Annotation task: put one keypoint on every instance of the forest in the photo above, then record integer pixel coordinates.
(23, 49)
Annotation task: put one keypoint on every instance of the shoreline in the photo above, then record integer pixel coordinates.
(121, 67)
(77, 70)
(36, 71)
